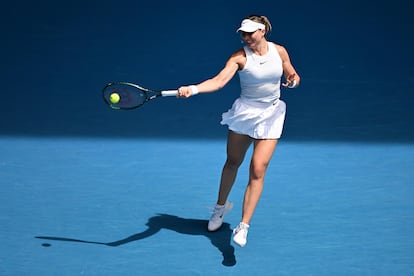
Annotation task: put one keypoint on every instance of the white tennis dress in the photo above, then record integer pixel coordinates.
(258, 112)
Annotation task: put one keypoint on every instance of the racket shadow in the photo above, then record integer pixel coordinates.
(221, 239)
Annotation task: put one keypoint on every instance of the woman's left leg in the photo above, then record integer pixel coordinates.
(262, 153)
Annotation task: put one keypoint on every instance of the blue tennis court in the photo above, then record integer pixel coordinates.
(87, 190)
(105, 207)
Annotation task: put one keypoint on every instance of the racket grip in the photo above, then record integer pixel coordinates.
(169, 93)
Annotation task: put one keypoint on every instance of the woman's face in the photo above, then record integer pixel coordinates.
(251, 39)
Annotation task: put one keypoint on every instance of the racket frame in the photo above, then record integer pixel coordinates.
(150, 94)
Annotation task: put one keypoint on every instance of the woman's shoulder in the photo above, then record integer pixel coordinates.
(238, 57)
(278, 46)
(280, 49)
(240, 53)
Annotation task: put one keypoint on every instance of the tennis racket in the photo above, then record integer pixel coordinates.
(126, 95)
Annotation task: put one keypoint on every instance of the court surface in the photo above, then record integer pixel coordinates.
(140, 207)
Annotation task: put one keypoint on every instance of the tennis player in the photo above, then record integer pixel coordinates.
(256, 117)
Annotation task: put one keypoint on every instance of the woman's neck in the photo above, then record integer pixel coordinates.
(261, 49)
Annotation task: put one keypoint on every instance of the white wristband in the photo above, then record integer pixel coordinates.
(293, 84)
(194, 90)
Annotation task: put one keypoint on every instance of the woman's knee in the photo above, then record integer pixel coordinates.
(258, 170)
(233, 163)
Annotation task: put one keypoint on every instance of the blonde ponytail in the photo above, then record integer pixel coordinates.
(261, 19)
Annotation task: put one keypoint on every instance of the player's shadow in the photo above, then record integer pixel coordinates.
(220, 239)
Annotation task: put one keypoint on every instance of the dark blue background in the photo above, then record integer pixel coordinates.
(355, 59)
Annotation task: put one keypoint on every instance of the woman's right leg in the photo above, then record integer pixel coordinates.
(237, 145)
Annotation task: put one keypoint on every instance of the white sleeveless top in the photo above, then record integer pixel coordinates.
(260, 78)
(258, 112)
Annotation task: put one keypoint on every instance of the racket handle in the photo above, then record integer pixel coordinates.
(169, 93)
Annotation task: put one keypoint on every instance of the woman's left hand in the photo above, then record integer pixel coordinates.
(290, 81)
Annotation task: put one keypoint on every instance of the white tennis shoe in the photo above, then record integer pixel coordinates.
(240, 234)
(217, 217)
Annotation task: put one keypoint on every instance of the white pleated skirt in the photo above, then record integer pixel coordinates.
(255, 119)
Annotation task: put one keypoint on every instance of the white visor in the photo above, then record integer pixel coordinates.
(250, 26)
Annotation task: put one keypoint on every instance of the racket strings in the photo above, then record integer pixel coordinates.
(130, 97)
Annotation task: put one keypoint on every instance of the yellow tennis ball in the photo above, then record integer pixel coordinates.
(114, 98)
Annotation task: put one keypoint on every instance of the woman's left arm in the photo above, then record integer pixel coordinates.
(291, 76)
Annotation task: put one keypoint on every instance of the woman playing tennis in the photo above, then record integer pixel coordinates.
(257, 116)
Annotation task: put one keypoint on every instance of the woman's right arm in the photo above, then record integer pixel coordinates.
(220, 80)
